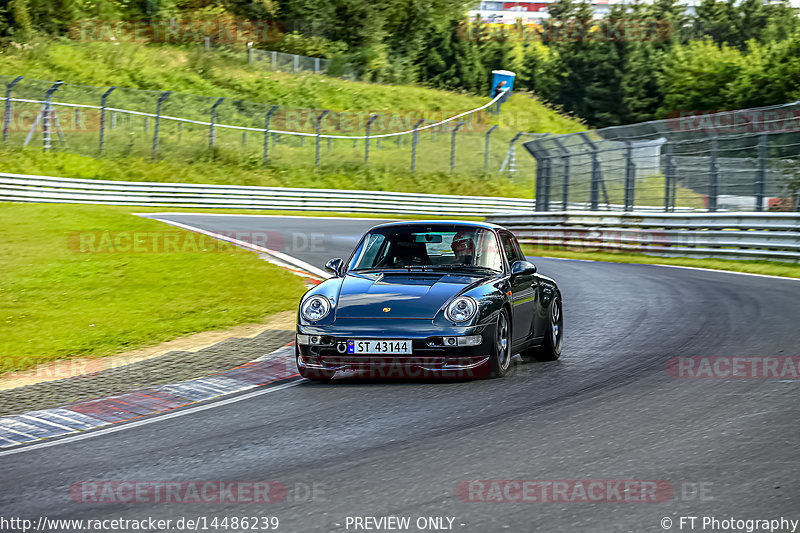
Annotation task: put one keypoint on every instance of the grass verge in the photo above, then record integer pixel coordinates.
(58, 302)
(770, 268)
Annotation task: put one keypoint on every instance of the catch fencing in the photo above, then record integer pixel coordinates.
(283, 62)
(744, 160)
(766, 236)
(116, 121)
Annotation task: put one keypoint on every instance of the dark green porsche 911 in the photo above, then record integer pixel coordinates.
(429, 299)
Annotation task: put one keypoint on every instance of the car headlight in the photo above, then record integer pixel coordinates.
(461, 309)
(315, 308)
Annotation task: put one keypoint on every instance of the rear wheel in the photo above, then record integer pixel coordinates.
(501, 349)
(550, 349)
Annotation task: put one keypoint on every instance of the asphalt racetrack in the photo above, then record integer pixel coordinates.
(608, 410)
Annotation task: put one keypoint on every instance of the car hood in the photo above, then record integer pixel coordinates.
(399, 295)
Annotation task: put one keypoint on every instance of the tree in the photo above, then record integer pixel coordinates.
(697, 77)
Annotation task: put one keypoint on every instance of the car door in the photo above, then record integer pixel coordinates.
(523, 292)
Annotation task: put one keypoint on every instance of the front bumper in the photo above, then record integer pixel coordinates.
(430, 357)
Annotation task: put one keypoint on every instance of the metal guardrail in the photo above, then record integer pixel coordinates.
(766, 236)
(26, 188)
(23, 188)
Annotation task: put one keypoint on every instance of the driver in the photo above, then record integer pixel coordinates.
(463, 246)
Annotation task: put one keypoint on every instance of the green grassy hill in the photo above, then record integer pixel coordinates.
(184, 153)
(226, 73)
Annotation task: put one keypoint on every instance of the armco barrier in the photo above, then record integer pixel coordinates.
(734, 235)
(770, 236)
(25, 188)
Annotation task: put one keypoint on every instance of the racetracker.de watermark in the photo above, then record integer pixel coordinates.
(228, 31)
(570, 30)
(169, 241)
(178, 492)
(61, 121)
(564, 491)
(734, 367)
(745, 121)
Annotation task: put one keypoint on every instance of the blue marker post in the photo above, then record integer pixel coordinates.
(502, 79)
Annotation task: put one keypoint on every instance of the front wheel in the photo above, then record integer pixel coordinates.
(550, 349)
(501, 349)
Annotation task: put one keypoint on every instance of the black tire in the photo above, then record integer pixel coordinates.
(500, 359)
(550, 349)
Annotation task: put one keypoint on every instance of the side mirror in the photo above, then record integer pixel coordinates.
(522, 268)
(335, 266)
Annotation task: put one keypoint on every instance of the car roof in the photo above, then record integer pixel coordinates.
(466, 223)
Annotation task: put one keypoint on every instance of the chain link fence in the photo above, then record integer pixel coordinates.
(744, 160)
(116, 121)
(283, 62)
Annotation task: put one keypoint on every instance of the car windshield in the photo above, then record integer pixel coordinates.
(435, 246)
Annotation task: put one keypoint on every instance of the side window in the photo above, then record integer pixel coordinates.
(510, 247)
(488, 254)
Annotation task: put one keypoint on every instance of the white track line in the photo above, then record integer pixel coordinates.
(668, 266)
(288, 259)
(728, 271)
(251, 215)
(143, 422)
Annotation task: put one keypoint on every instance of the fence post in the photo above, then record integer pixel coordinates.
(453, 147)
(630, 177)
(213, 121)
(46, 113)
(414, 142)
(565, 163)
(7, 114)
(594, 195)
(274, 60)
(535, 150)
(296, 63)
(366, 138)
(316, 65)
(669, 179)
(250, 54)
(319, 127)
(545, 180)
(486, 149)
(103, 118)
(713, 175)
(161, 99)
(762, 171)
(266, 134)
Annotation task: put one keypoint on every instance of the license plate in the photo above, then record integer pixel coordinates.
(375, 346)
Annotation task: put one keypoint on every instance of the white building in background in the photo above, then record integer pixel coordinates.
(532, 11)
